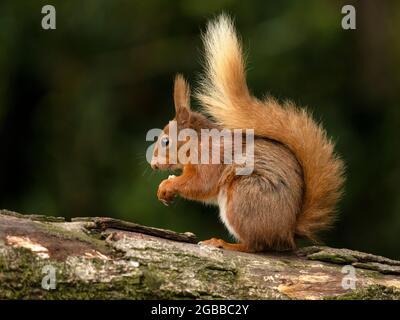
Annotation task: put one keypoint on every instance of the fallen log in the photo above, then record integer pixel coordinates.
(103, 258)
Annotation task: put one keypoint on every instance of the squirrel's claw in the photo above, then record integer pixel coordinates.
(165, 202)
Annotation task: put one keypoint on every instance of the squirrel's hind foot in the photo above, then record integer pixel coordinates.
(219, 243)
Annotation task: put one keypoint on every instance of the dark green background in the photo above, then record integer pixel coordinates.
(76, 103)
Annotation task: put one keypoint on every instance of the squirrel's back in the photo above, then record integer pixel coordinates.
(224, 95)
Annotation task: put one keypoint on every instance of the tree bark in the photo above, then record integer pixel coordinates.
(104, 258)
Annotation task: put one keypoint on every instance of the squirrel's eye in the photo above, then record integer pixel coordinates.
(164, 141)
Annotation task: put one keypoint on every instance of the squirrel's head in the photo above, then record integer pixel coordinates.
(165, 154)
(172, 149)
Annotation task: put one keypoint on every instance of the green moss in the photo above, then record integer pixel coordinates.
(373, 292)
(333, 258)
(34, 217)
(21, 277)
(56, 230)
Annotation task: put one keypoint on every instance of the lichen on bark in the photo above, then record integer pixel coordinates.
(94, 262)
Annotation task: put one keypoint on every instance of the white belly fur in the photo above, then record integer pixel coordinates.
(222, 202)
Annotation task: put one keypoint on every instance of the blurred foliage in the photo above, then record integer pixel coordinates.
(76, 103)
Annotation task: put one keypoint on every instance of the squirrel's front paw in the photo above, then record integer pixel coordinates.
(166, 193)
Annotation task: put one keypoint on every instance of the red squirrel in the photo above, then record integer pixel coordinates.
(297, 177)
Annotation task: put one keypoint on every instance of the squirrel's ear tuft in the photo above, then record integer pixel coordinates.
(181, 99)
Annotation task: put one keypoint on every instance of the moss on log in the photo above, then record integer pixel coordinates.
(120, 260)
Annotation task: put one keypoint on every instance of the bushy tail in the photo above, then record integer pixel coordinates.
(224, 95)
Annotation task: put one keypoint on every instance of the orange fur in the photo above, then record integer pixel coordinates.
(297, 178)
(225, 96)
